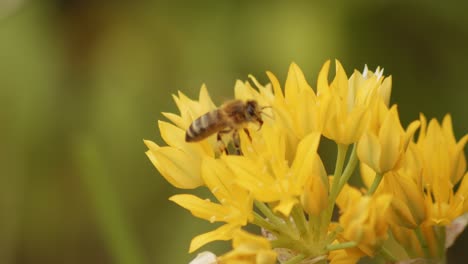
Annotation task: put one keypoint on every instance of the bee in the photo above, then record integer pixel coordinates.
(228, 118)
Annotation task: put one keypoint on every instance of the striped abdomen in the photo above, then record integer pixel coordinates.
(205, 126)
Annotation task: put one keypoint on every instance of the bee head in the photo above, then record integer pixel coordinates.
(253, 112)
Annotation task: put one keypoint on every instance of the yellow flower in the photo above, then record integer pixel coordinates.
(423, 189)
(444, 165)
(179, 162)
(234, 207)
(382, 149)
(344, 102)
(423, 173)
(249, 249)
(297, 110)
(265, 171)
(315, 196)
(407, 207)
(348, 196)
(408, 239)
(405, 185)
(370, 85)
(451, 151)
(279, 166)
(364, 219)
(408, 203)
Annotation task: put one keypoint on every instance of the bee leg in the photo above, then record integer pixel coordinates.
(236, 142)
(222, 146)
(248, 134)
(260, 124)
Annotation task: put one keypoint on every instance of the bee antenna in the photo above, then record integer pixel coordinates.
(265, 114)
(269, 116)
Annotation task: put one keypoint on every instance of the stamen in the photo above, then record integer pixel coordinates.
(365, 71)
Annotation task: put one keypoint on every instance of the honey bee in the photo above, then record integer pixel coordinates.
(229, 117)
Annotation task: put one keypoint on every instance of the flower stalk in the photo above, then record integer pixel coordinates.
(340, 159)
(277, 224)
(387, 255)
(344, 245)
(300, 221)
(377, 179)
(350, 167)
(296, 259)
(422, 241)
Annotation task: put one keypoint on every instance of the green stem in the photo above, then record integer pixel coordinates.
(337, 175)
(279, 224)
(289, 243)
(269, 214)
(259, 221)
(422, 240)
(300, 220)
(387, 255)
(377, 179)
(441, 236)
(324, 222)
(327, 215)
(282, 242)
(344, 245)
(332, 235)
(295, 259)
(314, 227)
(350, 167)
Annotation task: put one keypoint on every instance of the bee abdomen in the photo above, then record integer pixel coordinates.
(204, 126)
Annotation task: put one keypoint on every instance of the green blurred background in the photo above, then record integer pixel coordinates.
(82, 83)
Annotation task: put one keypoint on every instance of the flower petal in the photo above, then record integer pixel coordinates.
(205, 99)
(390, 141)
(305, 155)
(385, 90)
(222, 183)
(285, 205)
(177, 120)
(175, 137)
(315, 196)
(295, 83)
(175, 166)
(224, 233)
(369, 151)
(276, 86)
(340, 83)
(322, 81)
(200, 208)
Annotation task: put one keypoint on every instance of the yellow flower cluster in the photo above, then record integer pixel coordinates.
(414, 190)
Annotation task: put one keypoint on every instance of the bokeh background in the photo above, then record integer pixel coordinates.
(82, 83)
